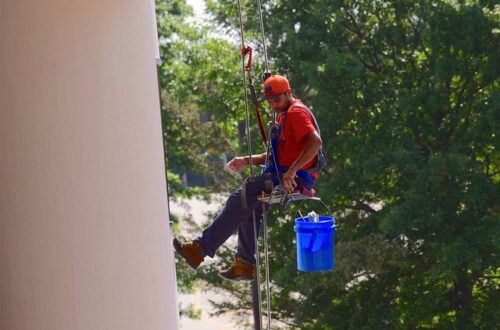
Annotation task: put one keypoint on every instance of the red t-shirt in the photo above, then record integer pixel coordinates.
(298, 123)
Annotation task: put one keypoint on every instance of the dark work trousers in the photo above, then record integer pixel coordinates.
(235, 217)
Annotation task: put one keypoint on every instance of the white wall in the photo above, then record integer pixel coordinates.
(84, 235)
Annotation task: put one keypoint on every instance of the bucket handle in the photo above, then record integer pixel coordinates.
(319, 200)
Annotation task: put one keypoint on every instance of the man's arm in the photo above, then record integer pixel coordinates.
(311, 147)
(238, 163)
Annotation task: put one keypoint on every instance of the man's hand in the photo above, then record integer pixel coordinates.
(237, 164)
(288, 180)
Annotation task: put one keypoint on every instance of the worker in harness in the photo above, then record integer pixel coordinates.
(295, 161)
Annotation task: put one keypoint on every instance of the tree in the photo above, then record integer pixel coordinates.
(407, 94)
(202, 107)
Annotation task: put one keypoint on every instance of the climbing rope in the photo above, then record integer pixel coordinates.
(261, 22)
(243, 70)
(246, 71)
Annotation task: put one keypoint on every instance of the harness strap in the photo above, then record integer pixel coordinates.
(320, 157)
(302, 106)
(304, 174)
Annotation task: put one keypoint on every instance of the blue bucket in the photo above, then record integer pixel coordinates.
(315, 252)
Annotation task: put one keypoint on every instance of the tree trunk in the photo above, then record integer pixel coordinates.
(463, 300)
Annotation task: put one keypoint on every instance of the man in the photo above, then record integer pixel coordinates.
(296, 143)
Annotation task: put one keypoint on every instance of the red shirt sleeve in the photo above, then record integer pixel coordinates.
(300, 122)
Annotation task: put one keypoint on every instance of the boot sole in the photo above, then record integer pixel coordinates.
(178, 248)
(238, 278)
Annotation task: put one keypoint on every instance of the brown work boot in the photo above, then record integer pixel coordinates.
(240, 270)
(192, 252)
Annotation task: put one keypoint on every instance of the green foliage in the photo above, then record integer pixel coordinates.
(200, 93)
(191, 312)
(407, 95)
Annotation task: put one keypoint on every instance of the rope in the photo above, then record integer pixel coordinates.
(261, 21)
(247, 117)
(247, 68)
(248, 51)
(249, 143)
(266, 265)
(257, 271)
(270, 148)
(264, 219)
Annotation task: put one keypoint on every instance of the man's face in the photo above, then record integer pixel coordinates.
(280, 103)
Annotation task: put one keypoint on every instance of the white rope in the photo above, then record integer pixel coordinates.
(249, 144)
(266, 267)
(247, 118)
(261, 21)
(257, 269)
